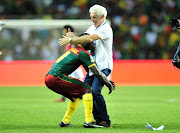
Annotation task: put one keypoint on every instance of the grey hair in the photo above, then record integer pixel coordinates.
(100, 10)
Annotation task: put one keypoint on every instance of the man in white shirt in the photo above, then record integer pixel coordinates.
(101, 34)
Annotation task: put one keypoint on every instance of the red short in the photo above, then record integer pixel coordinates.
(66, 88)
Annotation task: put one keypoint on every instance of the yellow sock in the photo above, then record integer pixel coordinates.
(88, 106)
(71, 109)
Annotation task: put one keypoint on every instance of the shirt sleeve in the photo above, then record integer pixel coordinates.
(86, 58)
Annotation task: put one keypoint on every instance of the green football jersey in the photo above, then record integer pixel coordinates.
(71, 60)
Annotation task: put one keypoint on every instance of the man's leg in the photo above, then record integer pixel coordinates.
(88, 79)
(99, 107)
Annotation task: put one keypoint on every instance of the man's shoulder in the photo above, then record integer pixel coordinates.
(107, 27)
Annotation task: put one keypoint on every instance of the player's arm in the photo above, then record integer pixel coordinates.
(82, 39)
(85, 67)
(102, 77)
(88, 60)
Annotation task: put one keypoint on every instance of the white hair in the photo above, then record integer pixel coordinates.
(100, 10)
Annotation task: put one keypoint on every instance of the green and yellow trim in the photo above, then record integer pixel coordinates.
(91, 65)
(65, 78)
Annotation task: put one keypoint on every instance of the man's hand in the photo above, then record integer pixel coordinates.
(113, 86)
(63, 41)
(66, 39)
(70, 34)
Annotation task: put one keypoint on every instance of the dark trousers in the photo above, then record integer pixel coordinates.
(99, 105)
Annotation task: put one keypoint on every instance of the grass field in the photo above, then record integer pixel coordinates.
(33, 110)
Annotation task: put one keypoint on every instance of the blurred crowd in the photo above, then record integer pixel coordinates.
(142, 28)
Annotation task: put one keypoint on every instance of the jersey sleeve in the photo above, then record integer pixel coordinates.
(86, 58)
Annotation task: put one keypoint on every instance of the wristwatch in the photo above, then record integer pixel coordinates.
(70, 39)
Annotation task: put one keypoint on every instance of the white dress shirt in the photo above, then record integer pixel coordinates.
(103, 52)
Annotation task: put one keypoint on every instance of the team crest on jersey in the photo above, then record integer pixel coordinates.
(75, 51)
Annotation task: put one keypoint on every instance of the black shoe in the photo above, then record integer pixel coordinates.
(91, 125)
(62, 124)
(105, 124)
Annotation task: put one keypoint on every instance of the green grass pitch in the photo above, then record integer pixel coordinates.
(33, 110)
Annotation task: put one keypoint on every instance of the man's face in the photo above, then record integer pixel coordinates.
(97, 20)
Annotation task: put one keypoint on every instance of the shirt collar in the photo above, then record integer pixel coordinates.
(104, 22)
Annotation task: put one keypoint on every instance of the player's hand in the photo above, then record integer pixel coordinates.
(113, 86)
(63, 41)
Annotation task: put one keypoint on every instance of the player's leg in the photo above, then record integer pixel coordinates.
(72, 89)
(88, 106)
(89, 80)
(70, 111)
(88, 100)
(69, 89)
(80, 88)
(99, 108)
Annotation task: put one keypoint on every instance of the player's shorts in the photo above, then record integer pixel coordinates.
(66, 86)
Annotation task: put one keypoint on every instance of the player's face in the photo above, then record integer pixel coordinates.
(64, 32)
(88, 46)
(97, 20)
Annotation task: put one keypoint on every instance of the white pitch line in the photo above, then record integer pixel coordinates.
(171, 100)
(174, 100)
